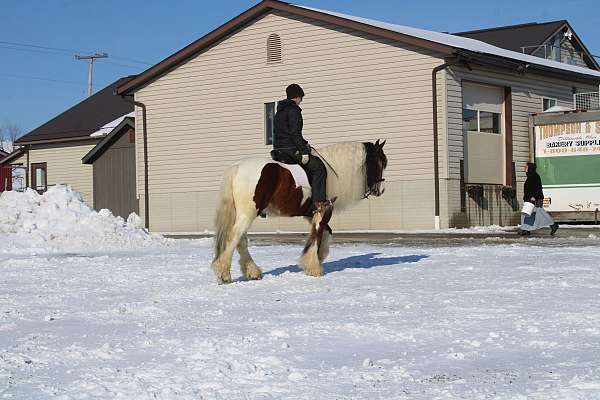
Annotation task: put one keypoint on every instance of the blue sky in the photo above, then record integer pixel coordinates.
(139, 33)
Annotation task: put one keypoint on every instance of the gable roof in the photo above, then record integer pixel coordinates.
(530, 35)
(514, 37)
(84, 118)
(443, 43)
(2, 154)
(109, 140)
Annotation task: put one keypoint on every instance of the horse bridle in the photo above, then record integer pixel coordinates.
(371, 190)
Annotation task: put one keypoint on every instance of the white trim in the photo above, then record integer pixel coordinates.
(265, 121)
(549, 98)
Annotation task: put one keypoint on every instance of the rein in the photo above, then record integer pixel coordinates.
(326, 162)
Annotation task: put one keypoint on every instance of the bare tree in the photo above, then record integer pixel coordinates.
(9, 132)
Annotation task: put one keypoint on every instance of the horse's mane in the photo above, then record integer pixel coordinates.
(348, 160)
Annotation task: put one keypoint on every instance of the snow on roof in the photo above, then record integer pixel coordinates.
(557, 109)
(106, 128)
(461, 43)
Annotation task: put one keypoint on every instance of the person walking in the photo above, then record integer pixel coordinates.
(290, 147)
(533, 193)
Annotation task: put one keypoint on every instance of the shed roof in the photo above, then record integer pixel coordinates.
(108, 140)
(16, 153)
(82, 119)
(444, 43)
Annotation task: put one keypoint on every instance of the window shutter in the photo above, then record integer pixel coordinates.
(274, 49)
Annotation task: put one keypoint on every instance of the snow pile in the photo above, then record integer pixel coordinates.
(60, 220)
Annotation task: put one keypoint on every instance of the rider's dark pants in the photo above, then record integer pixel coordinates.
(317, 174)
(315, 170)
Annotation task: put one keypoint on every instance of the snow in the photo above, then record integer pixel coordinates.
(461, 43)
(6, 145)
(478, 321)
(60, 221)
(558, 109)
(108, 127)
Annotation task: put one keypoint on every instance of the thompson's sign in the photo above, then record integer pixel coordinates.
(567, 139)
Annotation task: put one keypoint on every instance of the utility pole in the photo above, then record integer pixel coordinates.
(90, 58)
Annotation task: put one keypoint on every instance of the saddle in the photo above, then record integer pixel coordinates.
(287, 161)
(283, 157)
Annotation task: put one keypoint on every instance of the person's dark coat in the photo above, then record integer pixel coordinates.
(533, 185)
(287, 130)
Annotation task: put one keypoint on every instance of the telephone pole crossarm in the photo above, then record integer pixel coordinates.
(90, 59)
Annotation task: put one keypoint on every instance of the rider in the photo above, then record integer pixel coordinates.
(290, 146)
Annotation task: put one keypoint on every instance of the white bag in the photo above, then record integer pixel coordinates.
(528, 208)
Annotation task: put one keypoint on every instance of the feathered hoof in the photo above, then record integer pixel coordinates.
(253, 273)
(310, 267)
(222, 272)
(316, 272)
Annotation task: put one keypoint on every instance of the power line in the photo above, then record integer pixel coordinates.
(46, 49)
(42, 79)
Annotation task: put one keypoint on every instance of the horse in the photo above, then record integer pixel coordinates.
(260, 186)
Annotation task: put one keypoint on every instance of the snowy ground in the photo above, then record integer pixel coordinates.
(482, 321)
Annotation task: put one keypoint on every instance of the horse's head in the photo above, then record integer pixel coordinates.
(375, 164)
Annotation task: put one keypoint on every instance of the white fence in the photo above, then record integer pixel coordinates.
(586, 101)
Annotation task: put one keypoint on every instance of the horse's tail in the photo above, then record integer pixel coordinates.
(226, 213)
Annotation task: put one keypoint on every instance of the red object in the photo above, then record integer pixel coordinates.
(5, 179)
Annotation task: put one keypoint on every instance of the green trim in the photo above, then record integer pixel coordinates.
(569, 170)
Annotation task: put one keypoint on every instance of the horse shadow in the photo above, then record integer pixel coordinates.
(363, 261)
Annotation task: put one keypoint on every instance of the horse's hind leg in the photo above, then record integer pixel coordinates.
(222, 265)
(249, 269)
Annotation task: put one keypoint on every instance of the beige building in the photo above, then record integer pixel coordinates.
(51, 154)
(211, 104)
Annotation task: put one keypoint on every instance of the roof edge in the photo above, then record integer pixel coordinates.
(524, 67)
(59, 140)
(510, 27)
(72, 107)
(191, 49)
(107, 140)
(249, 15)
(15, 153)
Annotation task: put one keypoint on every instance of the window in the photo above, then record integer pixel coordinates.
(489, 122)
(483, 124)
(269, 122)
(39, 177)
(482, 121)
(548, 103)
(274, 49)
(470, 120)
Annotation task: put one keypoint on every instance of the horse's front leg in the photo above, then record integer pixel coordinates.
(317, 245)
(324, 245)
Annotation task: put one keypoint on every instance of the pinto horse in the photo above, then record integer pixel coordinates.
(260, 186)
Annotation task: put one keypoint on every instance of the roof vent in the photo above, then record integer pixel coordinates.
(274, 49)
